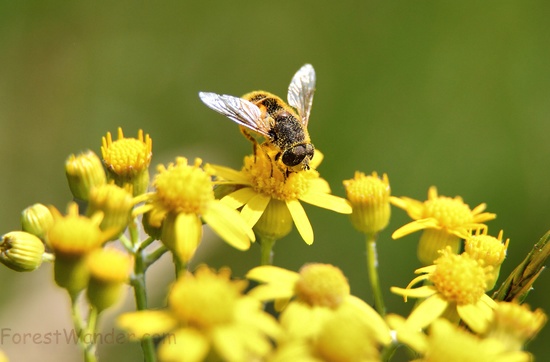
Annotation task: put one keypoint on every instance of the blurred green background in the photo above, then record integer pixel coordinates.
(452, 94)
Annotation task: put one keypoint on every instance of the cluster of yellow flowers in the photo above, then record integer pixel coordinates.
(120, 222)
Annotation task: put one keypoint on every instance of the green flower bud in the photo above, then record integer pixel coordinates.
(37, 220)
(84, 172)
(21, 251)
(116, 205)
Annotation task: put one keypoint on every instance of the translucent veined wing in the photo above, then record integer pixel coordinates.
(238, 110)
(300, 91)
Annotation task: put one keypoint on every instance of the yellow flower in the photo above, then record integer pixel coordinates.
(370, 199)
(449, 343)
(74, 234)
(515, 324)
(263, 182)
(444, 220)
(127, 160)
(183, 197)
(207, 313)
(489, 249)
(342, 337)
(109, 270)
(72, 238)
(458, 284)
(318, 290)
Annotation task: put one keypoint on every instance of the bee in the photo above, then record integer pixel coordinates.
(281, 125)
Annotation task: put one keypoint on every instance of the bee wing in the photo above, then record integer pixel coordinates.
(300, 91)
(238, 110)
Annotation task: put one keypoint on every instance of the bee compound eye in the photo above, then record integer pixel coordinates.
(295, 155)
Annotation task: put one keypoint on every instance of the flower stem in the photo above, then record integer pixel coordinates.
(86, 342)
(140, 290)
(266, 245)
(372, 267)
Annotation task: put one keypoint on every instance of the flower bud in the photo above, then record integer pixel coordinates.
(37, 220)
(489, 249)
(21, 251)
(127, 160)
(84, 172)
(116, 205)
(370, 199)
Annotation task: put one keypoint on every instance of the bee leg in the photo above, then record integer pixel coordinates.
(249, 137)
(283, 169)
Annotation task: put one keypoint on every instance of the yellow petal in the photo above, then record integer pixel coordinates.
(371, 318)
(254, 209)
(226, 173)
(188, 231)
(228, 343)
(319, 185)
(300, 220)
(415, 226)
(420, 292)
(273, 274)
(239, 198)
(184, 345)
(476, 316)
(427, 311)
(302, 321)
(327, 201)
(147, 322)
(229, 225)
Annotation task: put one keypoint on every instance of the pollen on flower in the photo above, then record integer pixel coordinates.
(450, 212)
(205, 299)
(127, 156)
(267, 176)
(487, 248)
(322, 285)
(459, 278)
(183, 188)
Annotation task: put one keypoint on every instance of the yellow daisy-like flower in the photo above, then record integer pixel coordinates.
(264, 183)
(444, 220)
(318, 291)
(458, 284)
(184, 195)
(448, 343)
(207, 315)
(128, 159)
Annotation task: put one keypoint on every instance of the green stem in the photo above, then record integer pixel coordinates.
(154, 255)
(85, 340)
(266, 245)
(181, 266)
(140, 295)
(372, 266)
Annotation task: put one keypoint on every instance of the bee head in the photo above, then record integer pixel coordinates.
(296, 154)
